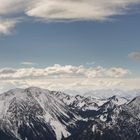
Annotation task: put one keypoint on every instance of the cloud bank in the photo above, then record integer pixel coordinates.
(69, 71)
(72, 85)
(68, 78)
(46, 10)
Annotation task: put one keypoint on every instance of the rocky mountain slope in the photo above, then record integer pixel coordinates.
(39, 114)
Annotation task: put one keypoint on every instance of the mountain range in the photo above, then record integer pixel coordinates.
(39, 114)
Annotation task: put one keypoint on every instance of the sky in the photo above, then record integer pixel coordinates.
(70, 45)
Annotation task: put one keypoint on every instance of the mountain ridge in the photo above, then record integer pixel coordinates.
(39, 114)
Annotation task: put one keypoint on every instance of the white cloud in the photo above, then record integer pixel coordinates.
(6, 25)
(117, 72)
(53, 10)
(9, 11)
(58, 71)
(134, 55)
(9, 7)
(79, 9)
(28, 63)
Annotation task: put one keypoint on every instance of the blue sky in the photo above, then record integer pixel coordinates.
(106, 43)
(102, 41)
